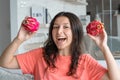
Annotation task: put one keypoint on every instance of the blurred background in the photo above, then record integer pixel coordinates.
(12, 12)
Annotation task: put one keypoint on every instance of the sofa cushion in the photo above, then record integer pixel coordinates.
(13, 74)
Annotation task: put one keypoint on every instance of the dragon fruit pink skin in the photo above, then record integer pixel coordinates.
(95, 28)
(31, 24)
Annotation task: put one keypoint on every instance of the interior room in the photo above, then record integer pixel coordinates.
(12, 12)
(108, 12)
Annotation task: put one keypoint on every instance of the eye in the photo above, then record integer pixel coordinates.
(66, 26)
(55, 26)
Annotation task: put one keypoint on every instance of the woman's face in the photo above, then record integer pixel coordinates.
(62, 33)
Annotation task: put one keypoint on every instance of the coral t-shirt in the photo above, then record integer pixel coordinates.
(32, 62)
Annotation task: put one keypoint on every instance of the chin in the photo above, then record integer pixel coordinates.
(60, 47)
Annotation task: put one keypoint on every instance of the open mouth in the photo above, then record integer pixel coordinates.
(61, 39)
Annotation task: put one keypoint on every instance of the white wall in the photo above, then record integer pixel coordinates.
(13, 18)
(12, 12)
(4, 24)
(53, 6)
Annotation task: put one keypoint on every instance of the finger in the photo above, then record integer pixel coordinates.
(26, 17)
(92, 37)
(24, 21)
(104, 32)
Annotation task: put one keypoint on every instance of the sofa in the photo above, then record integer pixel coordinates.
(13, 74)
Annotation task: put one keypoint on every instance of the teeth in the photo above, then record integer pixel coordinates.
(61, 39)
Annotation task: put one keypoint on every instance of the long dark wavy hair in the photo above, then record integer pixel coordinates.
(51, 50)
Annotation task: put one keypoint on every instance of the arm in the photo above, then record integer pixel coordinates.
(8, 59)
(113, 70)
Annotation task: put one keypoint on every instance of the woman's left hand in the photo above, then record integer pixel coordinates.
(101, 39)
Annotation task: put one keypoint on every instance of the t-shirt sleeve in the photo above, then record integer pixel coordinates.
(95, 70)
(28, 60)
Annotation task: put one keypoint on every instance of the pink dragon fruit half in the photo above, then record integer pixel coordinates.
(31, 24)
(95, 28)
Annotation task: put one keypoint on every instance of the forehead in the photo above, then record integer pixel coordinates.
(62, 19)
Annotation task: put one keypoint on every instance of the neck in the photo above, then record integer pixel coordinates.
(64, 52)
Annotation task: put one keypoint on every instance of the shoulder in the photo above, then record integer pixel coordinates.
(85, 56)
(37, 50)
(34, 52)
(86, 59)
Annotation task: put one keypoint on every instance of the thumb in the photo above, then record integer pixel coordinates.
(92, 37)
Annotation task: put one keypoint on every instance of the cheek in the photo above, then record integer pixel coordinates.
(53, 34)
(70, 35)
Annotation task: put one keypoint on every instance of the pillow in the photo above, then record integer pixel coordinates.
(13, 74)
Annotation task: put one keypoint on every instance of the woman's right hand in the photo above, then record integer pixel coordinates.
(8, 59)
(24, 34)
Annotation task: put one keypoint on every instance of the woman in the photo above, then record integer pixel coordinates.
(61, 58)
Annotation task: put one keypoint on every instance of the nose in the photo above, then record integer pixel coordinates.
(60, 30)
